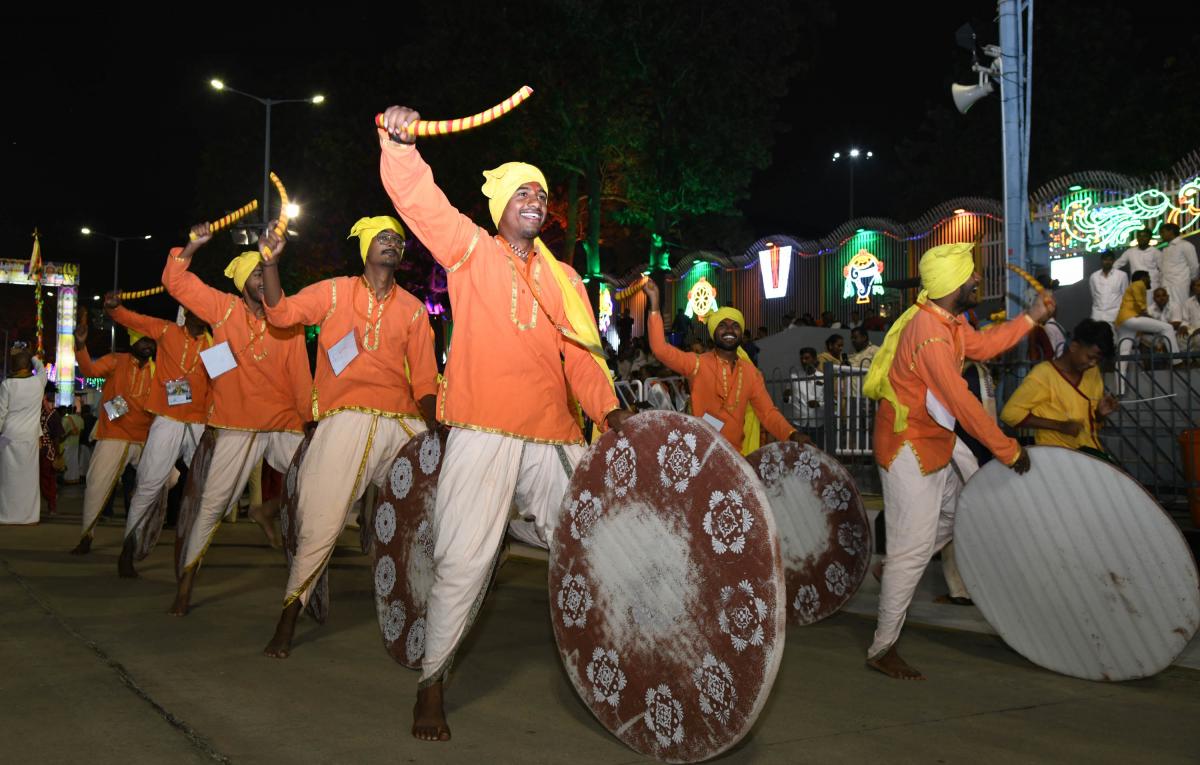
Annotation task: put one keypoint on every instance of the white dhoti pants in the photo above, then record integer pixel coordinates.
(20, 491)
(349, 451)
(919, 513)
(482, 475)
(109, 458)
(235, 453)
(168, 441)
(1131, 327)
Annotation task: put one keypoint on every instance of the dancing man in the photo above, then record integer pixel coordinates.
(260, 386)
(526, 348)
(376, 387)
(923, 466)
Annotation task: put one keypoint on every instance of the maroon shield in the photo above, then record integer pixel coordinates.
(822, 524)
(318, 601)
(666, 588)
(401, 545)
(190, 503)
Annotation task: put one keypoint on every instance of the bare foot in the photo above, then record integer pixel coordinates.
(280, 646)
(84, 547)
(429, 719)
(183, 596)
(264, 515)
(894, 667)
(125, 568)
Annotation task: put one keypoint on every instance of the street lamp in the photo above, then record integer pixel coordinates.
(267, 103)
(850, 158)
(116, 240)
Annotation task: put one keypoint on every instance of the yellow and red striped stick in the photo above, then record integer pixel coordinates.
(442, 127)
(229, 219)
(281, 224)
(141, 293)
(1021, 272)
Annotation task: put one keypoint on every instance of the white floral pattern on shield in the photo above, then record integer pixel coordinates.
(664, 715)
(604, 672)
(714, 681)
(742, 614)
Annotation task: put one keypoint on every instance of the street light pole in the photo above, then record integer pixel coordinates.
(851, 157)
(116, 240)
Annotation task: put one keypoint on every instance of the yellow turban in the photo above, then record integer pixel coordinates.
(720, 315)
(240, 268)
(500, 184)
(366, 229)
(134, 335)
(751, 428)
(943, 269)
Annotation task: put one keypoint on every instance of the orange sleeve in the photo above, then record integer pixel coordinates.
(308, 306)
(209, 304)
(770, 416)
(101, 367)
(449, 235)
(937, 366)
(981, 346)
(591, 385)
(422, 366)
(147, 325)
(680, 362)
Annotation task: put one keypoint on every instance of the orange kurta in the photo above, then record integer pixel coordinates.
(929, 359)
(719, 388)
(509, 366)
(271, 385)
(122, 377)
(178, 358)
(388, 334)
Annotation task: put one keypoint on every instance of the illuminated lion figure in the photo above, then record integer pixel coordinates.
(863, 274)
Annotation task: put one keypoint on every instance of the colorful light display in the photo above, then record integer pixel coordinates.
(864, 277)
(604, 318)
(775, 264)
(1080, 221)
(64, 355)
(702, 299)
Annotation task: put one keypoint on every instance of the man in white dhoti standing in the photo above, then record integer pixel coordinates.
(1107, 286)
(20, 431)
(1141, 257)
(1178, 264)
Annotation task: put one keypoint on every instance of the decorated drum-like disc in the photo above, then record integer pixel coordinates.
(402, 546)
(1077, 567)
(666, 588)
(822, 524)
(189, 505)
(318, 601)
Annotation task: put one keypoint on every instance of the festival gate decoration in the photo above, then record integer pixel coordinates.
(666, 588)
(864, 277)
(822, 524)
(775, 264)
(1077, 567)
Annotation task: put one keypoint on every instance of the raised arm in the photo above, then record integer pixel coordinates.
(102, 367)
(209, 304)
(309, 306)
(770, 416)
(146, 325)
(449, 235)
(681, 362)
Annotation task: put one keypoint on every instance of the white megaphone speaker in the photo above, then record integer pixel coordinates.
(965, 96)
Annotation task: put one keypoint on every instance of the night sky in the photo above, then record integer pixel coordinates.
(110, 117)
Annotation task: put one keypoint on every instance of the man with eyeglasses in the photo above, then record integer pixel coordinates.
(375, 388)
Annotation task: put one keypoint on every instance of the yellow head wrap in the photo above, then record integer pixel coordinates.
(240, 268)
(943, 269)
(134, 335)
(499, 186)
(366, 229)
(751, 428)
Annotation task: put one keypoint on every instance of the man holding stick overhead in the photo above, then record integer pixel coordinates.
(178, 401)
(376, 387)
(923, 466)
(525, 349)
(260, 388)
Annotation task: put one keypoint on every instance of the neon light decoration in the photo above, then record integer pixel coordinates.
(606, 309)
(1085, 224)
(864, 277)
(64, 355)
(702, 299)
(775, 264)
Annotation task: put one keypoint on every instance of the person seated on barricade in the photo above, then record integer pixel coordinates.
(1134, 318)
(1063, 400)
(728, 392)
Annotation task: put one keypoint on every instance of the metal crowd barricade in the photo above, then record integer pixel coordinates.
(629, 392)
(677, 391)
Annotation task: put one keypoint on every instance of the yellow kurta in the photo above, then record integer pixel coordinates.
(1046, 393)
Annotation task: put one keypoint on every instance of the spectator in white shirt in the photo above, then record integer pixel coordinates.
(1108, 286)
(1143, 257)
(1177, 264)
(806, 396)
(1163, 308)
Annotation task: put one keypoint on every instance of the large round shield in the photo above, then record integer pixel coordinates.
(823, 527)
(666, 588)
(189, 505)
(402, 546)
(1077, 567)
(318, 601)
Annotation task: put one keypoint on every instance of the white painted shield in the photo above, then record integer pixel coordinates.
(1077, 567)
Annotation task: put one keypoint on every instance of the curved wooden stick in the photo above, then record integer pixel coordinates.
(424, 128)
(141, 293)
(281, 224)
(229, 219)
(1021, 272)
